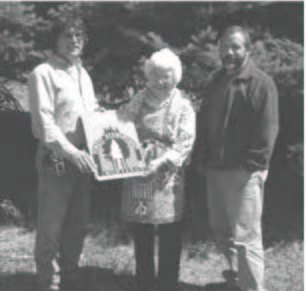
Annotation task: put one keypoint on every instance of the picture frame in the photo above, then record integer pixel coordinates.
(114, 146)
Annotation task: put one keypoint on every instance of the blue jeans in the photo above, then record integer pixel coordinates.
(235, 201)
(63, 209)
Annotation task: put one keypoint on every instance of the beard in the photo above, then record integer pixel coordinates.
(233, 63)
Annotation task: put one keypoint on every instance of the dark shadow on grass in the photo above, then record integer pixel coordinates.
(283, 216)
(17, 282)
(221, 287)
(99, 279)
(104, 279)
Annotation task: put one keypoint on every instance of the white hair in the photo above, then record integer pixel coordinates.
(166, 59)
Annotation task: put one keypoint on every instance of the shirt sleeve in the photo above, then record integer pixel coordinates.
(182, 147)
(264, 128)
(41, 100)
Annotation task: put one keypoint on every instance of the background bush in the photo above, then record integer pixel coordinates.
(122, 34)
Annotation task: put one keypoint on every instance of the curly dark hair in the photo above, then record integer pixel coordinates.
(61, 26)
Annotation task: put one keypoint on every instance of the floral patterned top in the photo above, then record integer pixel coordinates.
(167, 129)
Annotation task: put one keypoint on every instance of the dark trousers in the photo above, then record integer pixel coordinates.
(170, 246)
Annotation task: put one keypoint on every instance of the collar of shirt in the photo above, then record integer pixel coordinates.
(157, 104)
(246, 71)
(60, 62)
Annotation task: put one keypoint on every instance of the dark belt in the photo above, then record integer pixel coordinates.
(59, 165)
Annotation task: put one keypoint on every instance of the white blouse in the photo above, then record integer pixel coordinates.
(59, 96)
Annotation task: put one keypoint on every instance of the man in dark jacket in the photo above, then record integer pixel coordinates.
(238, 128)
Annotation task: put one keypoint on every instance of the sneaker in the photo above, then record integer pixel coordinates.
(50, 286)
(230, 276)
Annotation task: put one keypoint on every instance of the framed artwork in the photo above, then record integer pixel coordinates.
(114, 146)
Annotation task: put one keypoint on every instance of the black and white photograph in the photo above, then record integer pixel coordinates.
(152, 145)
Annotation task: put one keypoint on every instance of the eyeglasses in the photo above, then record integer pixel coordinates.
(79, 35)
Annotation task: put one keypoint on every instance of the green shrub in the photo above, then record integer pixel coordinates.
(122, 34)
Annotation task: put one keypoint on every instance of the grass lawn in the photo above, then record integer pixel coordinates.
(110, 266)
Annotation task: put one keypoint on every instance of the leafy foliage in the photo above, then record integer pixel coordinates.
(7, 101)
(121, 35)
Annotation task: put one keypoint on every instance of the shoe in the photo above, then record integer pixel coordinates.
(230, 276)
(51, 286)
(135, 285)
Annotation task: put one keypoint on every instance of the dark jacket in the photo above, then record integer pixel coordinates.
(248, 122)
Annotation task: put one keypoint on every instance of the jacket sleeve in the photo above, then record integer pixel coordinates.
(264, 128)
(182, 147)
(41, 99)
(199, 152)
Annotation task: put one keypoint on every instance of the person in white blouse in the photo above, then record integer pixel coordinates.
(165, 121)
(61, 93)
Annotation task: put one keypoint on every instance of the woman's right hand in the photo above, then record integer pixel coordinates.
(155, 169)
(82, 161)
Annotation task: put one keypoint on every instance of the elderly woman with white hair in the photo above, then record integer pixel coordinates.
(165, 122)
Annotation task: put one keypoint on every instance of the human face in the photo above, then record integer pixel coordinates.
(233, 52)
(161, 81)
(70, 43)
